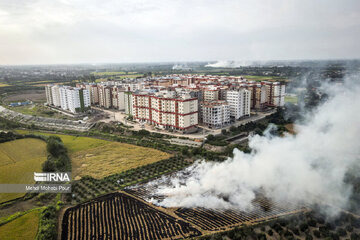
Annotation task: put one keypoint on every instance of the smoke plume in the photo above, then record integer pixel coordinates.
(229, 64)
(307, 168)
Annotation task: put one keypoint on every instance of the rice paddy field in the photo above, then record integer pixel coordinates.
(19, 160)
(22, 228)
(100, 158)
(113, 158)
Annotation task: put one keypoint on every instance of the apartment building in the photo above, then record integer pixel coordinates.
(239, 102)
(74, 99)
(128, 103)
(166, 112)
(105, 96)
(48, 93)
(258, 95)
(118, 98)
(275, 93)
(94, 93)
(63, 97)
(55, 91)
(211, 94)
(215, 114)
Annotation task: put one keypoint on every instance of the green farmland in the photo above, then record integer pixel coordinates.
(19, 160)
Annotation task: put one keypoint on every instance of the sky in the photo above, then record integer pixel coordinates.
(117, 31)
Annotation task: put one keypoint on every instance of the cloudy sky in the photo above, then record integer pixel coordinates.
(91, 31)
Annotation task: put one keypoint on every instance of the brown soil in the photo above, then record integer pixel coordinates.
(32, 95)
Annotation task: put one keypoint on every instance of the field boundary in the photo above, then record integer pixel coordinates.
(17, 215)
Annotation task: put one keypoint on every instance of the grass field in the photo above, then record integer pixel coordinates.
(107, 73)
(19, 160)
(264, 78)
(72, 143)
(100, 74)
(40, 111)
(291, 99)
(24, 227)
(99, 158)
(113, 158)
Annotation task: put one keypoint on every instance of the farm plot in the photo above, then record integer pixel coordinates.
(24, 227)
(113, 158)
(19, 160)
(88, 187)
(219, 219)
(120, 216)
(100, 158)
(215, 220)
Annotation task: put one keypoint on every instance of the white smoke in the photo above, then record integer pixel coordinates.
(229, 64)
(307, 168)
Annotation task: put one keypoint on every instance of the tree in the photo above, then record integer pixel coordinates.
(48, 166)
(54, 146)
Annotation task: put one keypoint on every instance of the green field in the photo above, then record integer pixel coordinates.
(72, 143)
(22, 228)
(40, 111)
(264, 78)
(19, 160)
(107, 73)
(291, 99)
(99, 158)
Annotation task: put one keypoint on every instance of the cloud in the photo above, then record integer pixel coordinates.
(62, 31)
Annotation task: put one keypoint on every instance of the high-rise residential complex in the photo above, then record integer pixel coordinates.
(275, 93)
(68, 98)
(215, 114)
(168, 102)
(239, 102)
(166, 112)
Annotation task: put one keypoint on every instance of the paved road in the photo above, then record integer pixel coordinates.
(118, 116)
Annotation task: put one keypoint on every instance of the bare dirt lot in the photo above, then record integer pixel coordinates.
(32, 95)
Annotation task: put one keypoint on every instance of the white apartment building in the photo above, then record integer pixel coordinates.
(239, 102)
(121, 100)
(275, 93)
(94, 93)
(211, 94)
(55, 91)
(74, 99)
(48, 93)
(215, 114)
(132, 87)
(63, 97)
(165, 112)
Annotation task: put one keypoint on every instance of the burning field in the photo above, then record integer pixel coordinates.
(120, 216)
(128, 216)
(212, 219)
